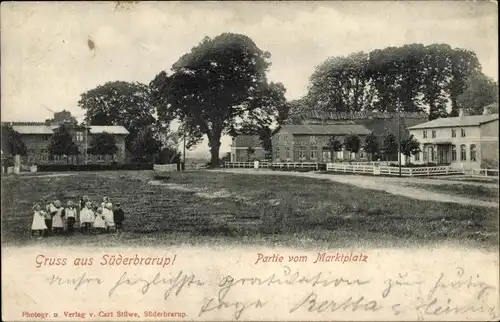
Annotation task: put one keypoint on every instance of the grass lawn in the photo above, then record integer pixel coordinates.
(463, 190)
(220, 208)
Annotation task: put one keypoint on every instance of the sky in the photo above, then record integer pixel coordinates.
(46, 62)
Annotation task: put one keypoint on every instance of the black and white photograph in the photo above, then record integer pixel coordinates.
(357, 137)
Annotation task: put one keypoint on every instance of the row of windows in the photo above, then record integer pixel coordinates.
(79, 137)
(463, 133)
(430, 154)
(313, 153)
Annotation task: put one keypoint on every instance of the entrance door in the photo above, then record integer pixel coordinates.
(444, 154)
(326, 156)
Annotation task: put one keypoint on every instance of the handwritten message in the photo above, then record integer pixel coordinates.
(264, 285)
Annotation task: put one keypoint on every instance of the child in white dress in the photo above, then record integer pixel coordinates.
(57, 217)
(38, 225)
(99, 221)
(87, 217)
(108, 216)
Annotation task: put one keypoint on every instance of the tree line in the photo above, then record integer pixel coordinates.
(412, 78)
(220, 87)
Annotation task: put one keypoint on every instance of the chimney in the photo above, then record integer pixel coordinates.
(461, 112)
(486, 110)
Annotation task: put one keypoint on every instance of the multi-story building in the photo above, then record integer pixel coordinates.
(463, 141)
(240, 148)
(37, 135)
(309, 142)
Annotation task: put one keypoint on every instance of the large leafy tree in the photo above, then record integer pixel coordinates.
(103, 144)
(389, 145)
(480, 91)
(145, 145)
(12, 141)
(370, 145)
(410, 146)
(333, 145)
(352, 143)
(120, 103)
(169, 155)
(220, 83)
(411, 78)
(61, 143)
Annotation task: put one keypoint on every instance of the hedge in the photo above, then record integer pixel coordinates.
(94, 167)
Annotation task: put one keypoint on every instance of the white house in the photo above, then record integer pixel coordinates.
(464, 142)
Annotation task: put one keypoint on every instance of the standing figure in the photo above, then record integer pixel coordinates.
(83, 201)
(99, 221)
(87, 217)
(38, 225)
(48, 219)
(108, 216)
(57, 217)
(70, 215)
(118, 217)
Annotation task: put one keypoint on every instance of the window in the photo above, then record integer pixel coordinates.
(340, 154)
(100, 157)
(453, 153)
(431, 153)
(433, 133)
(463, 153)
(277, 152)
(287, 153)
(425, 134)
(312, 139)
(362, 154)
(417, 156)
(302, 153)
(79, 136)
(314, 153)
(463, 132)
(453, 133)
(424, 155)
(473, 152)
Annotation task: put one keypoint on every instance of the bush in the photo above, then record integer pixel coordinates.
(94, 167)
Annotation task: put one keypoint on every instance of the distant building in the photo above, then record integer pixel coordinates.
(37, 135)
(308, 140)
(463, 141)
(240, 146)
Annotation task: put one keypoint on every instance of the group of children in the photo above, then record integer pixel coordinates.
(56, 219)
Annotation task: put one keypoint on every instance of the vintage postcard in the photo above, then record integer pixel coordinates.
(250, 161)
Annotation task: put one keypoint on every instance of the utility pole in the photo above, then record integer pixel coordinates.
(184, 153)
(86, 139)
(399, 141)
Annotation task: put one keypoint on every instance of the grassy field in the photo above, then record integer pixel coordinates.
(221, 208)
(464, 190)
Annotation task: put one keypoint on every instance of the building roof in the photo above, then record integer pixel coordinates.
(49, 129)
(327, 129)
(244, 140)
(470, 120)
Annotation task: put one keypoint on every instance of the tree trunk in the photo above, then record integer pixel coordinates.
(214, 152)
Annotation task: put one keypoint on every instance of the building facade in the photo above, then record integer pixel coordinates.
(37, 137)
(240, 148)
(468, 142)
(309, 142)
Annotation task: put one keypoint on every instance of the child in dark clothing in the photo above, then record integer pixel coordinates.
(118, 217)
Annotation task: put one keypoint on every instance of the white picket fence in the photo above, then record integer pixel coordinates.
(388, 170)
(267, 165)
(482, 173)
(165, 167)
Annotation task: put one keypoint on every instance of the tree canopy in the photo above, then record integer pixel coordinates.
(119, 103)
(480, 91)
(63, 117)
(216, 87)
(103, 144)
(12, 141)
(61, 143)
(412, 78)
(145, 145)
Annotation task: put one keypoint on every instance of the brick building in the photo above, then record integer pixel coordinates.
(240, 145)
(307, 139)
(37, 135)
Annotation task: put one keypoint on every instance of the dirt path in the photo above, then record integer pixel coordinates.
(394, 186)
